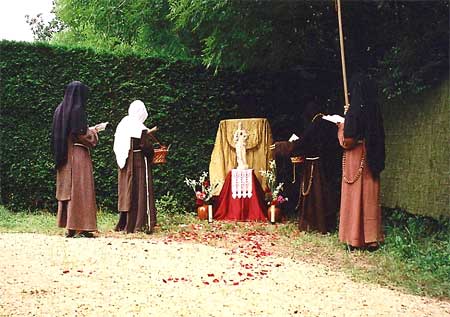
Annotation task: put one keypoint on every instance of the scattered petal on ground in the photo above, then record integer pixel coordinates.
(186, 274)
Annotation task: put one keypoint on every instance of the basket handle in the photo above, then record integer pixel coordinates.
(154, 138)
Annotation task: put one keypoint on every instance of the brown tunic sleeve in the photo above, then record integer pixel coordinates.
(90, 139)
(146, 145)
(346, 143)
(283, 149)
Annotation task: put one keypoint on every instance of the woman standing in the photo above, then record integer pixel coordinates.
(133, 147)
(317, 205)
(362, 137)
(72, 141)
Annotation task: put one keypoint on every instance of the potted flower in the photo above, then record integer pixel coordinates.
(273, 195)
(203, 190)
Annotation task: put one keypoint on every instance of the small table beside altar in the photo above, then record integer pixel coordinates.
(241, 198)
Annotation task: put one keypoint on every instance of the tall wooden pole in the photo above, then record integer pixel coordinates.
(344, 73)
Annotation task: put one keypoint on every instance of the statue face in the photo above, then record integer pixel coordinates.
(240, 135)
(243, 134)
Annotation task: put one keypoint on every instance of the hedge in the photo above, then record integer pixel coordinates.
(187, 102)
(417, 175)
(181, 99)
(184, 100)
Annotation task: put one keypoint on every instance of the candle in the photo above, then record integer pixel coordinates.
(272, 214)
(210, 213)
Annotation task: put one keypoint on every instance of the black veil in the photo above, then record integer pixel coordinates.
(364, 121)
(69, 118)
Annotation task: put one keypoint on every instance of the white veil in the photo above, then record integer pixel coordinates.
(130, 126)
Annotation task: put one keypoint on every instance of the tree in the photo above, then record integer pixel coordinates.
(403, 43)
(44, 31)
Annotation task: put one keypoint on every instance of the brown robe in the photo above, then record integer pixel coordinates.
(132, 185)
(75, 190)
(360, 212)
(317, 204)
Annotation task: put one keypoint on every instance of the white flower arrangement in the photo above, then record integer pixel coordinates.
(202, 188)
(275, 189)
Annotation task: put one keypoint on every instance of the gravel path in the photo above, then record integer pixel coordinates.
(53, 276)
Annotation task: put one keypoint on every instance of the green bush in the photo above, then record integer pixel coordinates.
(422, 244)
(184, 100)
(169, 204)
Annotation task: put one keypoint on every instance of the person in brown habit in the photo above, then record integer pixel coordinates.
(71, 143)
(317, 204)
(133, 146)
(362, 138)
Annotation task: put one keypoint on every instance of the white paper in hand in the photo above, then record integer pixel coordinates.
(335, 118)
(101, 126)
(293, 138)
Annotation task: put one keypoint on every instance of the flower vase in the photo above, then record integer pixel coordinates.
(273, 214)
(202, 212)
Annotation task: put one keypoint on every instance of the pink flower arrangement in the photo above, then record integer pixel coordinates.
(279, 200)
(273, 192)
(202, 188)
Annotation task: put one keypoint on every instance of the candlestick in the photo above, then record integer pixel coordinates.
(210, 213)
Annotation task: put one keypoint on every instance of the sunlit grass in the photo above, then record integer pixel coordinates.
(44, 222)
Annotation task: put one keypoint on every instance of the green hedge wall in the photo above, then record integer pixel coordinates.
(417, 175)
(187, 102)
(182, 99)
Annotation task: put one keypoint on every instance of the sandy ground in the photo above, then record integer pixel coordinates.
(113, 276)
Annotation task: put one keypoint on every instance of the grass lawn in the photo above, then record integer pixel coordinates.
(414, 258)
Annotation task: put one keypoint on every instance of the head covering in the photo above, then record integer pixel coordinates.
(130, 126)
(69, 117)
(364, 121)
(311, 109)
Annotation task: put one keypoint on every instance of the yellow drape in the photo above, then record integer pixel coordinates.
(223, 157)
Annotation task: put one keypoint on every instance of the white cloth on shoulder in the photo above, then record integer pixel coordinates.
(130, 126)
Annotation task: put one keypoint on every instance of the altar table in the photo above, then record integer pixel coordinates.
(243, 207)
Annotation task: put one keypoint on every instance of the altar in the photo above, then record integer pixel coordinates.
(241, 150)
(258, 153)
(241, 198)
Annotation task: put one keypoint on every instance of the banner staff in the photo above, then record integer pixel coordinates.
(341, 41)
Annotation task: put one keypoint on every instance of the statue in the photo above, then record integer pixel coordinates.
(240, 137)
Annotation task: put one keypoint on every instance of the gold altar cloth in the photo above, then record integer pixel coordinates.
(223, 157)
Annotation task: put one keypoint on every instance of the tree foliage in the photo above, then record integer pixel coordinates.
(403, 43)
(42, 30)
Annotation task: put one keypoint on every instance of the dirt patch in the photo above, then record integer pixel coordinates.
(165, 276)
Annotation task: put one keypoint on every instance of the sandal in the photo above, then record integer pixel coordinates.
(85, 234)
(70, 233)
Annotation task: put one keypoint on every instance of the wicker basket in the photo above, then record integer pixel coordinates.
(160, 156)
(297, 159)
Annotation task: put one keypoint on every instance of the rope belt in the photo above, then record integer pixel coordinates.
(313, 158)
(137, 150)
(82, 145)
